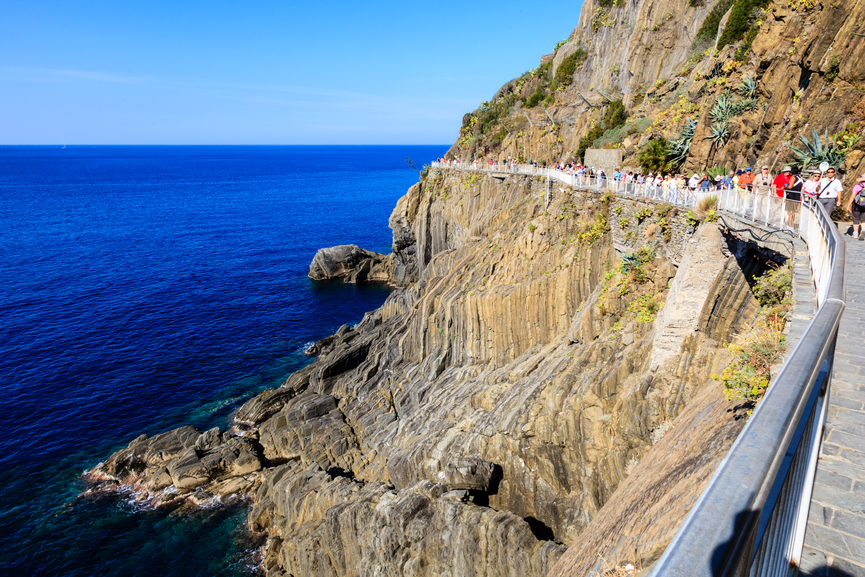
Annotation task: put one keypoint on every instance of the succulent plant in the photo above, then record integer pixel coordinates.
(680, 147)
(714, 171)
(746, 105)
(723, 108)
(815, 152)
(718, 133)
(748, 88)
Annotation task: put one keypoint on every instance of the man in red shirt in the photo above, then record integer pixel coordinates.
(782, 181)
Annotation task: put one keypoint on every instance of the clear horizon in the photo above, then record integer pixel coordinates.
(269, 74)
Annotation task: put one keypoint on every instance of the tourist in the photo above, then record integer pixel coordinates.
(793, 195)
(830, 191)
(746, 180)
(856, 206)
(681, 182)
(693, 182)
(812, 185)
(657, 183)
(782, 181)
(763, 182)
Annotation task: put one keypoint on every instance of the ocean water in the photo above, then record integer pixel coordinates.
(146, 288)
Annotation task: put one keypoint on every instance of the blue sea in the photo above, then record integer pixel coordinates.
(143, 288)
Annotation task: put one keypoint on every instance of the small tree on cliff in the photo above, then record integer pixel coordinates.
(654, 157)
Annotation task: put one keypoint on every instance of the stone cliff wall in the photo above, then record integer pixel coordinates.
(477, 422)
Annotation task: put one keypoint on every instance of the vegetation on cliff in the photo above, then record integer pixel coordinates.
(781, 70)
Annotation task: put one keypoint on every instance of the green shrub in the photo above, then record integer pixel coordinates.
(536, 97)
(834, 68)
(646, 308)
(565, 71)
(615, 114)
(742, 25)
(643, 214)
(653, 157)
(585, 142)
(709, 29)
(772, 288)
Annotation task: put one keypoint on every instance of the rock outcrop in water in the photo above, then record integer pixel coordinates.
(478, 421)
(351, 262)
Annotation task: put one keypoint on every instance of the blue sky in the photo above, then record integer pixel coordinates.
(90, 72)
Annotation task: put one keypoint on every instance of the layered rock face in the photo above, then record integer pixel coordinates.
(478, 421)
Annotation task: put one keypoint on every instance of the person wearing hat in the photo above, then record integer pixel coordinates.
(782, 181)
(746, 180)
(812, 185)
(763, 182)
(856, 206)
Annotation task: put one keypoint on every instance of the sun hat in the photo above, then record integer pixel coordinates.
(717, 178)
(738, 173)
(787, 169)
(748, 169)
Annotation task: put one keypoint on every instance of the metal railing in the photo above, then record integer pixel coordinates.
(763, 205)
(751, 517)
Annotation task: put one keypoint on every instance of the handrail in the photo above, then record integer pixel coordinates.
(751, 517)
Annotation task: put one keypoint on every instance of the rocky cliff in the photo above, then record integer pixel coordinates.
(481, 418)
(781, 70)
(535, 396)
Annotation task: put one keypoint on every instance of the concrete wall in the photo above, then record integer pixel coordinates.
(607, 158)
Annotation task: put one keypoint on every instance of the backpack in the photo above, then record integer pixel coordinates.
(859, 195)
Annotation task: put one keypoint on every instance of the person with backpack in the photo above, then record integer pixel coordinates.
(856, 205)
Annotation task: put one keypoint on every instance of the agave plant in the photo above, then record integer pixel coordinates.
(716, 171)
(816, 152)
(630, 261)
(748, 87)
(718, 133)
(746, 105)
(680, 147)
(723, 109)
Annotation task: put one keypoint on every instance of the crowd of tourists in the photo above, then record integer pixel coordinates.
(790, 184)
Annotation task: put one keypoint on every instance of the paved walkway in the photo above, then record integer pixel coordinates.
(835, 539)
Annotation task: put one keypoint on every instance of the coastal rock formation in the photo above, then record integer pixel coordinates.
(480, 419)
(349, 261)
(534, 398)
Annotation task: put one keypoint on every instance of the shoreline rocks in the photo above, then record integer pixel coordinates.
(350, 262)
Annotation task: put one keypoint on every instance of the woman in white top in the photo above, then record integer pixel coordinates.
(812, 185)
(692, 184)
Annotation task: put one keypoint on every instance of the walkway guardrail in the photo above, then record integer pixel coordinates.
(762, 206)
(751, 517)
